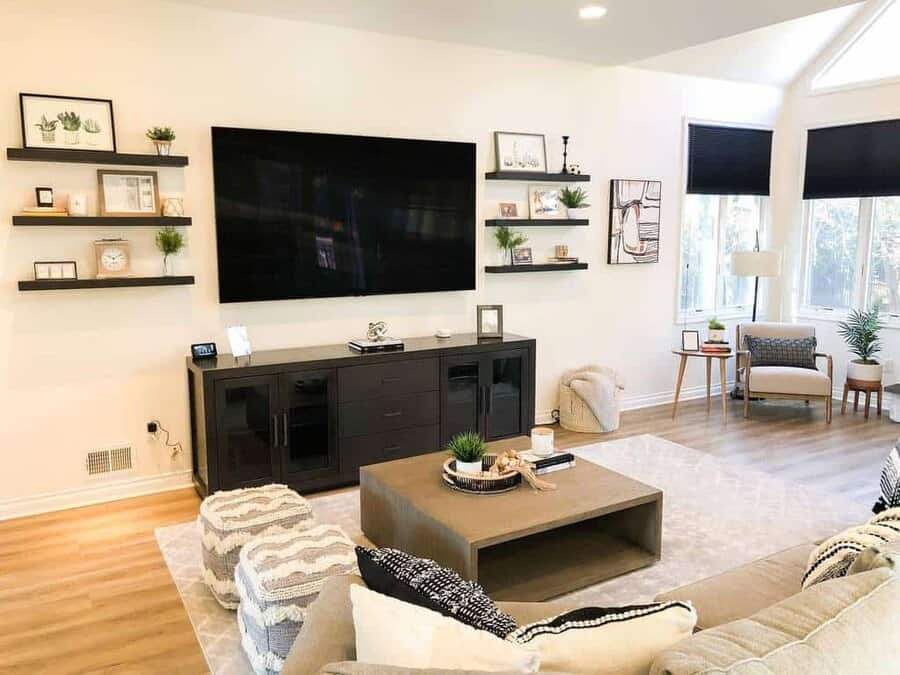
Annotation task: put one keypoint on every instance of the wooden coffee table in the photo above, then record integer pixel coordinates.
(520, 545)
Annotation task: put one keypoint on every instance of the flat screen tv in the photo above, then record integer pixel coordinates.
(305, 215)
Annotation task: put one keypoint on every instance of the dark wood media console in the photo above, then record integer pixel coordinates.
(310, 417)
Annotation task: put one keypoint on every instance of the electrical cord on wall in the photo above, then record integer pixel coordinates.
(176, 446)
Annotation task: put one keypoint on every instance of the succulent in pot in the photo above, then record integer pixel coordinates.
(574, 199)
(715, 330)
(48, 129)
(71, 123)
(162, 138)
(468, 450)
(860, 332)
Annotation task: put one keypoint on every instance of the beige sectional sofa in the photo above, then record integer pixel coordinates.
(751, 620)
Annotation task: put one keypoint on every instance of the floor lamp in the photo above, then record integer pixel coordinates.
(756, 264)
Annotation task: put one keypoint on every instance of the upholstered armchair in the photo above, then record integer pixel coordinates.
(792, 375)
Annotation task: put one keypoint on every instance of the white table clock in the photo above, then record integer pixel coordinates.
(113, 258)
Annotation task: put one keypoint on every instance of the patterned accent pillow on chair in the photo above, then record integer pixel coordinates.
(790, 352)
(890, 482)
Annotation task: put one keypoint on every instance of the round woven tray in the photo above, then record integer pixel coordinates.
(486, 484)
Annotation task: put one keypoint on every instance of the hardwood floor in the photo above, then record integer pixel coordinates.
(87, 590)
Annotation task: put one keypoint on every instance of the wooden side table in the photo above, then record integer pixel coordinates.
(709, 356)
(861, 386)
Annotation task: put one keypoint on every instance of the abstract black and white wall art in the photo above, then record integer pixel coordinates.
(634, 221)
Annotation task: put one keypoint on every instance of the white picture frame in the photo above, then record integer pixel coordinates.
(517, 152)
(239, 341)
(544, 202)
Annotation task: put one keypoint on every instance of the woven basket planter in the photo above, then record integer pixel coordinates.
(576, 415)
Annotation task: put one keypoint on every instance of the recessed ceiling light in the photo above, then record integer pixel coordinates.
(592, 12)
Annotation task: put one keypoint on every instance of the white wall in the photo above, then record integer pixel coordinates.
(803, 110)
(87, 369)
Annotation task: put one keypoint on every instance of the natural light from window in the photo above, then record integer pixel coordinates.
(874, 55)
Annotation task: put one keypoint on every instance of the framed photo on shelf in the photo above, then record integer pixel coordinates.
(690, 340)
(67, 122)
(43, 197)
(522, 256)
(51, 270)
(520, 152)
(128, 193)
(490, 321)
(543, 202)
(509, 210)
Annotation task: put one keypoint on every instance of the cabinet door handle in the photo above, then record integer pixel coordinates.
(389, 380)
(490, 395)
(396, 413)
(275, 431)
(391, 448)
(284, 428)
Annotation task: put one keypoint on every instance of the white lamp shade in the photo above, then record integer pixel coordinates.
(756, 263)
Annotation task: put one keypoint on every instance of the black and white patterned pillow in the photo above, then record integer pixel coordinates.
(791, 352)
(423, 582)
(834, 557)
(890, 482)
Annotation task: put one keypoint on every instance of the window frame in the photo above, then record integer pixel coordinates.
(683, 316)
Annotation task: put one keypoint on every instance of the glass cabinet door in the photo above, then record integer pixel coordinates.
(505, 414)
(461, 396)
(245, 426)
(308, 425)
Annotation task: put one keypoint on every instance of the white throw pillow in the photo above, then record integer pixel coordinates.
(607, 641)
(391, 632)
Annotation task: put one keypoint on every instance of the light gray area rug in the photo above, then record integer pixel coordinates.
(716, 516)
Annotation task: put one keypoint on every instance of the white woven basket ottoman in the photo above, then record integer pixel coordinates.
(576, 415)
(228, 520)
(278, 577)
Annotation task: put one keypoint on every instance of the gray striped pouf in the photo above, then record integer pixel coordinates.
(278, 577)
(229, 520)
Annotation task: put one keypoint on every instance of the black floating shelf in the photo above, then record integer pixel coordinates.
(93, 157)
(550, 267)
(100, 221)
(538, 222)
(538, 177)
(119, 282)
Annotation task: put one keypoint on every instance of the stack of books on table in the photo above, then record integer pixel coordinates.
(555, 462)
(44, 211)
(715, 347)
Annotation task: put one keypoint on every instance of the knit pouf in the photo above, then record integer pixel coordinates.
(228, 520)
(279, 575)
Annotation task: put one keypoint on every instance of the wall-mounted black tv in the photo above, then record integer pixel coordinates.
(306, 215)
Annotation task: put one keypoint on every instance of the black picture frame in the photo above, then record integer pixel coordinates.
(112, 119)
(500, 169)
(485, 334)
(204, 350)
(694, 344)
(40, 202)
(73, 263)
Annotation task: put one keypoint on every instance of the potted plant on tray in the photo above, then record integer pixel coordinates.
(169, 241)
(468, 450)
(574, 199)
(508, 239)
(162, 138)
(715, 330)
(860, 332)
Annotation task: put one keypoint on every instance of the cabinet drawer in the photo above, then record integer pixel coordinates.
(358, 383)
(374, 448)
(373, 416)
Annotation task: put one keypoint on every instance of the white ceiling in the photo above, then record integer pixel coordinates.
(774, 55)
(632, 30)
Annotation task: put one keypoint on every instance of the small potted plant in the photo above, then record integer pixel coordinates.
(162, 138)
(715, 330)
(860, 332)
(169, 241)
(574, 199)
(507, 240)
(91, 128)
(48, 129)
(468, 450)
(71, 123)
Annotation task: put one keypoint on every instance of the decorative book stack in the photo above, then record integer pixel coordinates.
(555, 462)
(715, 347)
(44, 211)
(562, 260)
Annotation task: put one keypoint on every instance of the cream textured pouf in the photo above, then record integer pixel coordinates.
(229, 520)
(278, 577)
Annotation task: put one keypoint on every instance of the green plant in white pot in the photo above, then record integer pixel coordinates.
(715, 330)
(575, 200)
(860, 332)
(468, 450)
(162, 138)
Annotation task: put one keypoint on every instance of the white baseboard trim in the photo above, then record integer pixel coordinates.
(93, 494)
(650, 400)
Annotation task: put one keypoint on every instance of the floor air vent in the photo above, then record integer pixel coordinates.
(109, 460)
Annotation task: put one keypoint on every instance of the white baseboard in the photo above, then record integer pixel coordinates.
(93, 494)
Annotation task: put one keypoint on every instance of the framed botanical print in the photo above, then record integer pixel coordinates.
(520, 152)
(67, 122)
(128, 193)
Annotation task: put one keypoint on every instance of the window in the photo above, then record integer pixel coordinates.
(852, 255)
(873, 55)
(714, 227)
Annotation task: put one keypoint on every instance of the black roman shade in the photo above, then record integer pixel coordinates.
(856, 160)
(728, 160)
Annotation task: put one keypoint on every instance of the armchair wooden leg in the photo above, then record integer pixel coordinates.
(828, 405)
(844, 399)
(747, 398)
